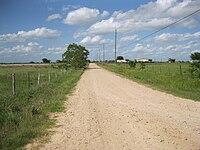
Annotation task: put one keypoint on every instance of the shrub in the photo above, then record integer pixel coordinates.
(132, 64)
(195, 69)
(195, 65)
(142, 65)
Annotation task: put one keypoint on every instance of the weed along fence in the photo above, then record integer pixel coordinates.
(17, 83)
(163, 69)
(167, 70)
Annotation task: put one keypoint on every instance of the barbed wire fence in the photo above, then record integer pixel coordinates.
(16, 83)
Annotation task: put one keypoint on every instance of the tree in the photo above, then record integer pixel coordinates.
(150, 60)
(58, 61)
(170, 60)
(195, 65)
(44, 60)
(195, 56)
(120, 58)
(75, 56)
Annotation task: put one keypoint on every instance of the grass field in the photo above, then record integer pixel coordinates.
(25, 115)
(170, 78)
(21, 75)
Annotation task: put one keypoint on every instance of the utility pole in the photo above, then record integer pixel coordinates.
(103, 52)
(99, 56)
(115, 45)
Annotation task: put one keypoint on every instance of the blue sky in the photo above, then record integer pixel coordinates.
(34, 29)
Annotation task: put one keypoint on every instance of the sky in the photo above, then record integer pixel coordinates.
(31, 30)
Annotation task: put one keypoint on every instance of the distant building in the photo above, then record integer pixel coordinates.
(121, 61)
(144, 60)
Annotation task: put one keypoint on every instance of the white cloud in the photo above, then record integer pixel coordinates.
(21, 36)
(140, 48)
(103, 27)
(65, 9)
(129, 38)
(84, 15)
(165, 3)
(196, 50)
(183, 8)
(179, 37)
(32, 46)
(105, 14)
(4, 50)
(53, 17)
(31, 51)
(95, 40)
(150, 16)
(179, 48)
(56, 50)
(91, 40)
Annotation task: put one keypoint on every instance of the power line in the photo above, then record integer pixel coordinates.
(160, 29)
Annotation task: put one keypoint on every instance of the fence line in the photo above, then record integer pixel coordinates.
(15, 83)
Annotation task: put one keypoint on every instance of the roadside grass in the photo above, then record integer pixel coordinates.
(26, 116)
(21, 74)
(166, 77)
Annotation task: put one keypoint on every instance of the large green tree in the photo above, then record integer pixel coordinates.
(195, 65)
(45, 60)
(75, 56)
(120, 58)
(195, 56)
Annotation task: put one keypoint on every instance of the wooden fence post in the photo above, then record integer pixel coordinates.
(13, 84)
(29, 82)
(56, 76)
(38, 78)
(49, 77)
(180, 70)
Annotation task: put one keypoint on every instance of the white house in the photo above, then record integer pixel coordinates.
(121, 61)
(144, 60)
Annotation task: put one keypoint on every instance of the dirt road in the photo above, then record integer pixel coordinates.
(107, 112)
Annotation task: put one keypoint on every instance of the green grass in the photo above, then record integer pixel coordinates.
(162, 76)
(21, 75)
(25, 115)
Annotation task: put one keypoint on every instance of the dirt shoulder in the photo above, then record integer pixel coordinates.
(110, 112)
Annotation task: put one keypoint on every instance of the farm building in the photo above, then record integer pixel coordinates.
(144, 60)
(121, 61)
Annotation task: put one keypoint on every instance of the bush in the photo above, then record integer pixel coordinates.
(132, 64)
(142, 65)
(195, 65)
(195, 69)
